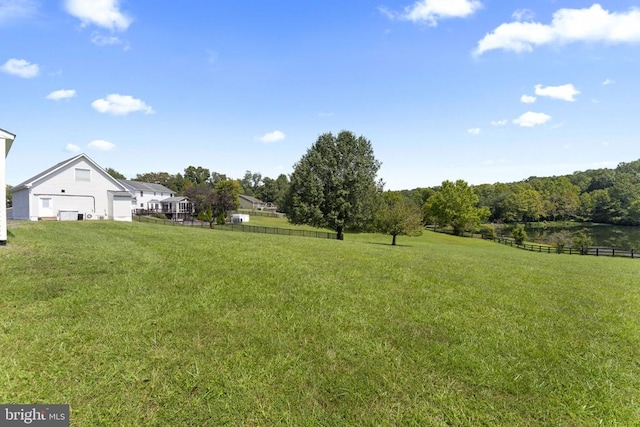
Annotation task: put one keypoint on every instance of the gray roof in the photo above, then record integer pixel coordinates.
(145, 186)
(251, 199)
(60, 165)
(173, 199)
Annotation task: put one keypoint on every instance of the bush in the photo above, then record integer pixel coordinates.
(519, 235)
(582, 240)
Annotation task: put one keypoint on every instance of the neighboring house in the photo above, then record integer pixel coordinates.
(249, 202)
(74, 189)
(156, 198)
(178, 207)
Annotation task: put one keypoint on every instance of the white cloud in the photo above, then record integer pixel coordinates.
(103, 13)
(20, 68)
(17, 9)
(499, 122)
(102, 145)
(72, 148)
(120, 105)
(473, 131)
(57, 95)
(564, 93)
(531, 119)
(567, 26)
(523, 15)
(272, 137)
(528, 99)
(431, 11)
(100, 40)
(608, 82)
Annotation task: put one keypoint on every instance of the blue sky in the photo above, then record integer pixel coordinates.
(481, 90)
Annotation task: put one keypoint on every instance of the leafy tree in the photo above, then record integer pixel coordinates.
(173, 182)
(582, 240)
(334, 184)
(519, 234)
(225, 198)
(115, 174)
(399, 217)
(206, 215)
(200, 195)
(251, 183)
(217, 177)
(197, 175)
(455, 205)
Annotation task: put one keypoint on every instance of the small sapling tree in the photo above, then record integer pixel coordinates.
(398, 217)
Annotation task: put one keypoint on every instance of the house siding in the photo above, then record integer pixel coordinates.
(60, 190)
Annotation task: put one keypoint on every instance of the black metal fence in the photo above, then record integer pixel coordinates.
(239, 228)
(591, 250)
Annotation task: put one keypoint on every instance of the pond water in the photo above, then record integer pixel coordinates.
(612, 236)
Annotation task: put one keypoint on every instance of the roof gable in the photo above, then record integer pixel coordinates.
(62, 165)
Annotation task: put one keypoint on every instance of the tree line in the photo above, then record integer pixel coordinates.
(608, 196)
(334, 185)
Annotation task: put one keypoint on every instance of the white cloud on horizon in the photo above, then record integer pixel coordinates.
(57, 95)
(608, 82)
(431, 11)
(17, 9)
(73, 148)
(101, 145)
(531, 119)
(120, 105)
(103, 13)
(528, 99)
(474, 131)
(272, 137)
(564, 93)
(499, 122)
(567, 26)
(21, 68)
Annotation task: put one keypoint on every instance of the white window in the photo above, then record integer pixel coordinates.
(83, 174)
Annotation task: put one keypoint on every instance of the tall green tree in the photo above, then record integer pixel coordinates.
(115, 174)
(226, 197)
(197, 175)
(334, 184)
(174, 182)
(399, 216)
(455, 205)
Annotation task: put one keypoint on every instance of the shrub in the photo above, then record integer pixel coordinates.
(582, 240)
(519, 235)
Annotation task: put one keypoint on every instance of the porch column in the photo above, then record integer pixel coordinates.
(6, 139)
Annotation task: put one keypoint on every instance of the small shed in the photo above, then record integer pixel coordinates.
(239, 218)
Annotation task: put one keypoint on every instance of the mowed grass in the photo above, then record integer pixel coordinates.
(141, 324)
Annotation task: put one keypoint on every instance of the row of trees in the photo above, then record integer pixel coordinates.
(610, 196)
(334, 185)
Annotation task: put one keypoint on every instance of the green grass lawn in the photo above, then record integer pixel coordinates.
(142, 324)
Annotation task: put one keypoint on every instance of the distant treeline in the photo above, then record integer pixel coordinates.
(610, 196)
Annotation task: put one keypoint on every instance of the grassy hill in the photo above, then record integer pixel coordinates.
(141, 324)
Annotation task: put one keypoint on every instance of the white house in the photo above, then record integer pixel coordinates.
(74, 189)
(156, 198)
(6, 140)
(146, 196)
